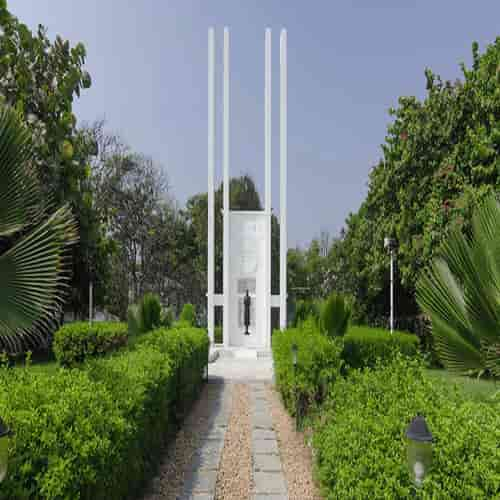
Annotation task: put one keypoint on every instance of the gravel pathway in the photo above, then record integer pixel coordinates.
(234, 478)
(238, 442)
(190, 465)
(295, 455)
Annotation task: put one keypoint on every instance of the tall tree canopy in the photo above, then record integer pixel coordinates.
(440, 156)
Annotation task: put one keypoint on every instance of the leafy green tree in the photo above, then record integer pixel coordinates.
(440, 158)
(460, 292)
(33, 269)
(40, 79)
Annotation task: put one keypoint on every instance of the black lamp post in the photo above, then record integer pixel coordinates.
(419, 449)
(5, 434)
(294, 361)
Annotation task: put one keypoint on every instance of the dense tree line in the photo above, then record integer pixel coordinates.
(440, 157)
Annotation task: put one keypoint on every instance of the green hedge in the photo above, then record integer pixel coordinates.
(361, 449)
(96, 432)
(318, 365)
(75, 342)
(363, 345)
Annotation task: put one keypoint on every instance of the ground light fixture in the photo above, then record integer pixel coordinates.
(419, 449)
(295, 350)
(390, 245)
(5, 434)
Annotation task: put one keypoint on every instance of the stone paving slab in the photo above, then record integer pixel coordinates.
(270, 497)
(201, 475)
(269, 482)
(201, 482)
(265, 447)
(263, 434)
(267, 463)
(269, 479)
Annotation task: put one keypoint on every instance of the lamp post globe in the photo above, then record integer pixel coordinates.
(5, 434)
(419, 452)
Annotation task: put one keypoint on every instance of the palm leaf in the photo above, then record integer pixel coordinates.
(34, 271)
(34, 274)
(460, 291)
(19, 194)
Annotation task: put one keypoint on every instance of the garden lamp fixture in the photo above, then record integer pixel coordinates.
(390, 244)
(419, 449)
(295, 350)
(294, 355)
(5, 434)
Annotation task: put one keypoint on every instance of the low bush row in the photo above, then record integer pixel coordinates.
(95, 432)
(75, 342)
(364, 345)
(321, 359)
(318, 365)
(361, 446)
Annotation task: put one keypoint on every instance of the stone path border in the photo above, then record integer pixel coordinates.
(268, 478)
(201, 476)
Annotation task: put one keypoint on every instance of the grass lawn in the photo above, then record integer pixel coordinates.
(479, 390)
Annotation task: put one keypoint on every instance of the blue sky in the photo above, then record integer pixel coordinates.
(348, 63)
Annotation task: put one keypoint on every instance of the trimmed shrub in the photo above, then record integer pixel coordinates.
(188, 315)
(75, 342)
(318, 365)
(363, 345)
(334, 316)
(144, 316)
(97, 432)
(361, 448)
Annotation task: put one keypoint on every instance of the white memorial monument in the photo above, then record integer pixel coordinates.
(246, 297)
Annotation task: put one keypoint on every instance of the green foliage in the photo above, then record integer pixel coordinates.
(361, 448)
(306, 309)
(318, 365)
(146, 315)
(440, 157)
(334, 316)
(34, 269)
(75, 342)
(98, 432)
(188, 315)
(41, 78)
(460, 293)
(188, 349)
(364, 345)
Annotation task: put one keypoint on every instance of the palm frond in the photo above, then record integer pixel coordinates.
(35, 274)
(19, 193)
(460, 291)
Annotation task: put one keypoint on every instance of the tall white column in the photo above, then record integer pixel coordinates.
(211, 171)
(267, 167)
(283, 179)
(225, 161)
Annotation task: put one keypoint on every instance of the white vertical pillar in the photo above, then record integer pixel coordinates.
(211, 171)
(267, 167)
(225, 161)
(283, 179)
(267, 120)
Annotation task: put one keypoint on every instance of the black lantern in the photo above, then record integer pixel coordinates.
(5, 434)
(419, 449)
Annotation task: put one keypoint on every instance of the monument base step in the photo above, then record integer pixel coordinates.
(242, 352)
